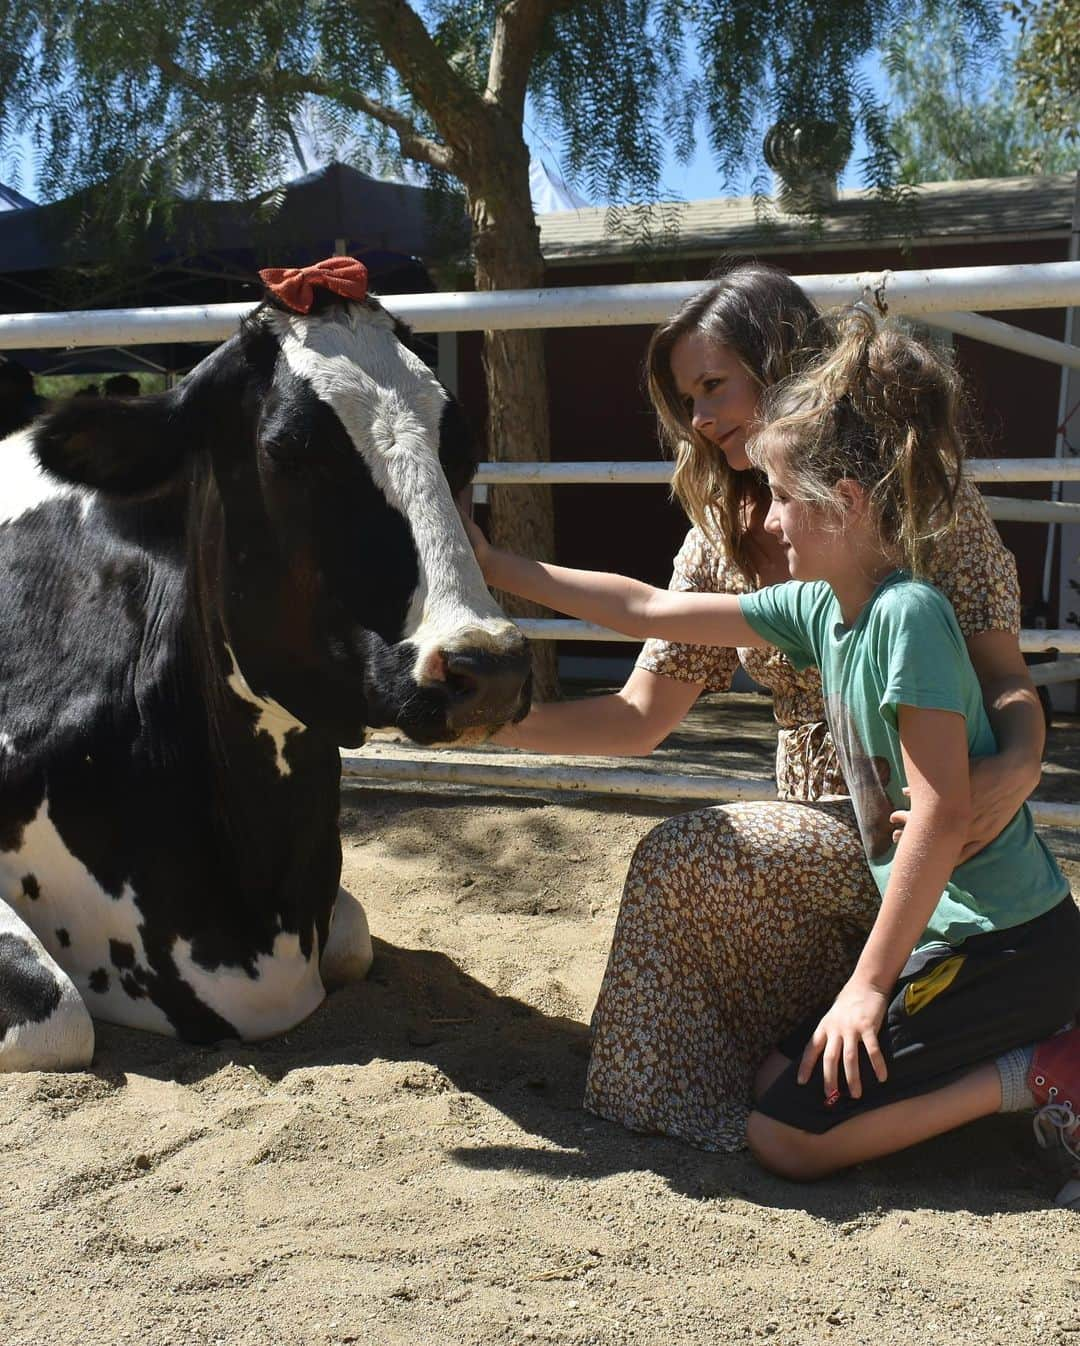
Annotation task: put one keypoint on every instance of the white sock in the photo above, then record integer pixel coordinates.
(1013, 1068)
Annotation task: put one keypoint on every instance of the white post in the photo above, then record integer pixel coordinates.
(1067, 445)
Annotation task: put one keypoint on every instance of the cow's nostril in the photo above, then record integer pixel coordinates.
(462, 683)
(485, 687)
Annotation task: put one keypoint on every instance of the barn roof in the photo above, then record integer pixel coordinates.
(979, 210)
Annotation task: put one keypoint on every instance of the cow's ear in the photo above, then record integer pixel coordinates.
(122, 446)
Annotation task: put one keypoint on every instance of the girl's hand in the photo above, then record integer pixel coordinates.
(997, 792)
(853, 1021)
(479, 543)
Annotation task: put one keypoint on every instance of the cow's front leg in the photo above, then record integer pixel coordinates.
(347, 956)
(44, 1024)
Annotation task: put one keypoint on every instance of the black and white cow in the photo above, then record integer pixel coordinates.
(202, 595)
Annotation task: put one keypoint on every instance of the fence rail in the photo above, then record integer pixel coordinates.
(440, 768)
(938, 296)
(941, 291)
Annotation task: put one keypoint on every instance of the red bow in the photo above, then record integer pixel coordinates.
(295, 285)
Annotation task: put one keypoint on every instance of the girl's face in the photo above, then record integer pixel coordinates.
(719, 397)
(814, 545)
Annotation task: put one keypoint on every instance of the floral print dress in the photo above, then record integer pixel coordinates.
(737, 921)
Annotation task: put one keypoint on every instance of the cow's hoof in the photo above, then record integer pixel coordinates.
(347, 956)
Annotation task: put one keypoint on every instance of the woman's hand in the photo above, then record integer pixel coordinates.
(853, 1021)
(999, 786)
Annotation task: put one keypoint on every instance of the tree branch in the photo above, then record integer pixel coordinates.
(518, 26)
(413, 145)
(278, 82)
(456, 109)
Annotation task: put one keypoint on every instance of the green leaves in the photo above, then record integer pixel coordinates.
(961, 113)
(1048, 66)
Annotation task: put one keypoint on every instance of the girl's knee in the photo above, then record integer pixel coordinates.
(784, 1150)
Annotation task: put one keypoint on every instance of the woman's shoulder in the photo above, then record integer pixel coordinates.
(973, 530)
(975, 570)
(705, 564)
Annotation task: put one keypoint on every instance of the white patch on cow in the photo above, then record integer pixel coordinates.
(24, 484)
(7, 745)
(390, 405)
(285, 989)
(62, 1041)
(69, 898)
(273, 720)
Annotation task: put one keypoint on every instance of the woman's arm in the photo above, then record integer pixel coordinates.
(622, 603)
(935, 753)
(627, 723)
(977, 574)
(1001, 784)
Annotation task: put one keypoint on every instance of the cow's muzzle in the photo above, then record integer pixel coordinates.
(485, 689)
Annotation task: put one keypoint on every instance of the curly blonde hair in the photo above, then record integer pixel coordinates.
(879, 408)
(760, 314)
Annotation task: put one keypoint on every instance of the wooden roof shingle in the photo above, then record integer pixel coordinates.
(942, 212)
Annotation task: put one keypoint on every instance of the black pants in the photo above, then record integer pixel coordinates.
(952, 1008)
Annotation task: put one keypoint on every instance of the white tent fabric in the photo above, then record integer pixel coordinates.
(549, 191)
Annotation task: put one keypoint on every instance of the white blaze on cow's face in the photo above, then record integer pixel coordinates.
(391, 406)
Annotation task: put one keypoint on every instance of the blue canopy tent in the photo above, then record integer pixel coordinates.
(211, 252)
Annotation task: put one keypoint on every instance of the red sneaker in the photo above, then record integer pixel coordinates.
(1054, 1080)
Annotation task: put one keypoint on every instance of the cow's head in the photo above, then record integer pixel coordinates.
(322, 458)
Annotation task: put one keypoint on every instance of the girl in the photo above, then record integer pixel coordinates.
(968, 960)
(736, 920)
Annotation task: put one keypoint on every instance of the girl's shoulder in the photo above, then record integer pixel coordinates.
(909, 600)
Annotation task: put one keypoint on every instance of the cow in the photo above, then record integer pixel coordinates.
(205, 593)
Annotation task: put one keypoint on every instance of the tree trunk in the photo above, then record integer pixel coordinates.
(506, 240)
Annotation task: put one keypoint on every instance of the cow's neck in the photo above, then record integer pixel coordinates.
(268, 775)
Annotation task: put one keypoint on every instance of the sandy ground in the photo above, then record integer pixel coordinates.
(412, 1164)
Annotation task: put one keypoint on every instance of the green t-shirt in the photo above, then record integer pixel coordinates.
(906, 649)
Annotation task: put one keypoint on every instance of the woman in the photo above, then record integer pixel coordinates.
(737, 921)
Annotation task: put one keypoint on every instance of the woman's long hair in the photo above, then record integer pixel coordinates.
(760, 314)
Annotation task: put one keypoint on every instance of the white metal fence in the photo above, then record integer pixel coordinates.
(941, 298)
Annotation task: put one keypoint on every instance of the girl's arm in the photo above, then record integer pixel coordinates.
(621, 603)
(935, 752)
(630, 722)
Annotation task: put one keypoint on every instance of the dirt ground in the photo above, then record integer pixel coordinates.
(412, 1164)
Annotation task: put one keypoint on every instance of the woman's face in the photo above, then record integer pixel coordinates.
(719, 397)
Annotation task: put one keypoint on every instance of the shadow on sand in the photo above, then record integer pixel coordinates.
(418, 1006)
